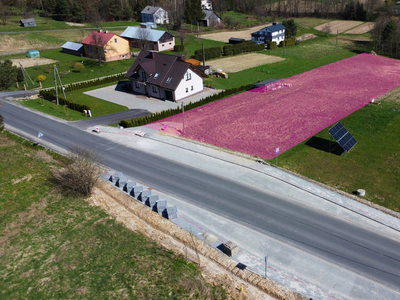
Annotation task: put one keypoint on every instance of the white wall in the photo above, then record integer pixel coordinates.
(166, 46)
(196, 82)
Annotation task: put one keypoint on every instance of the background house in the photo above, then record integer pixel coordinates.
(109, 45)
(154, 14)
(210, 19)
(73, 48)
(273, 33)
(28, 22)
(206, 4)
(163, 76)
(149, 39)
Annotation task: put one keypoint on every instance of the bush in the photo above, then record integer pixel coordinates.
(289, 42)
(81, 173)
(179, 48)
(41, 78)
(78, 66)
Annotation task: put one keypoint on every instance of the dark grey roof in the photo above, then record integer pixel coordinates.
(30, 20)
(236, 39)
(209, 14)
(150, 10)
(265, 82)
(72, 46)
(275, 27)
(164, 65)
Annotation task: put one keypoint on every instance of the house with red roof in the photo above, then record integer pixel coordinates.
(106, 45)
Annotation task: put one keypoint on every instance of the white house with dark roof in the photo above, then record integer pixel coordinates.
(154, 14)
(273, 33)
(206, 4)
(163, 76)
(157, 40)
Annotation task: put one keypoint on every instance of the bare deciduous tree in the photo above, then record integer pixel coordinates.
(327, 29)
(144, 36)
(81, 172)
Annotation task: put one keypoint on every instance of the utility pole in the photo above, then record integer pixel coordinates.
(183, 117)
(57, 75)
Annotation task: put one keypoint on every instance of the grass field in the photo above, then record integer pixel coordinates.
(58, 246)
(97, 106)
(372, 165)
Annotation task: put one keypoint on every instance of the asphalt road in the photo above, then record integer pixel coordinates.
(111, 119)
(365, 252)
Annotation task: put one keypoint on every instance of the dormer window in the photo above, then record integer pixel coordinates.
(155, 76)
(169, 79)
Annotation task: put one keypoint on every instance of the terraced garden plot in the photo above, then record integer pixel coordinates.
(339, 26)
(285, 113)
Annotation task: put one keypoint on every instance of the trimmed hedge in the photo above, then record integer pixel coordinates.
(289, 42)
(90, 83)
(170, 112)
(272, 45)
(179, 48)
(50, 96)
(228, 50)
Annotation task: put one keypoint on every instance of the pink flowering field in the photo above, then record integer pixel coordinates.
(287, 112)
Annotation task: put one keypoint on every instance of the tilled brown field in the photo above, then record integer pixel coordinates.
(226, 35)
(339, 26)
(242, 62)
(364, 28)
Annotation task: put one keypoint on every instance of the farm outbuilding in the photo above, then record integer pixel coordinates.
(28, 22)
(233, 40)
(33, 53)
(73, 48)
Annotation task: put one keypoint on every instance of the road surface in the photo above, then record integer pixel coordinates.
(365, 252)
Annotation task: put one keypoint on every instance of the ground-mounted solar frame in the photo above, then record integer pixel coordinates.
(342, 136)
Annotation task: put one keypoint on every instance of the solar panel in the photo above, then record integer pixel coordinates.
(342, 136)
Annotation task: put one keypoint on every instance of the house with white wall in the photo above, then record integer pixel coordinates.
(164, 76)
(206, 4)
(154, 14)
(157, 40)
(273, 33)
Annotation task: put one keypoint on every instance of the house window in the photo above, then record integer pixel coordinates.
(137, 85)
(169, 79)
(154, 89)
(188, 76)
(191, 88)
(187, 90)
(170, 43)
(155, 76)
(163, 45)
(115, 41)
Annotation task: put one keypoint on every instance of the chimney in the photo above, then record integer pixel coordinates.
(106, 31)
(100, 30)
(273, 23)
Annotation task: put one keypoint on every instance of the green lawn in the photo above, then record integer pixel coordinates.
(43, 23)
(373, 164)
(58, 246)
(97, 106)
(299, 58)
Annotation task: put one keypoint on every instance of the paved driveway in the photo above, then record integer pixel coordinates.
(133, 101)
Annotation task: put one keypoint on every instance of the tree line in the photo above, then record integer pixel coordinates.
(93, 11)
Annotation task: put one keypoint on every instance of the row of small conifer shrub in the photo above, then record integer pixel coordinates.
(170, 112)
(50, 96)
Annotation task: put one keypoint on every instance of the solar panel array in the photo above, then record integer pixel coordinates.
(342, 136)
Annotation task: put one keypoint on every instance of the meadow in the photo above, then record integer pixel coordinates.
(56, 245)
